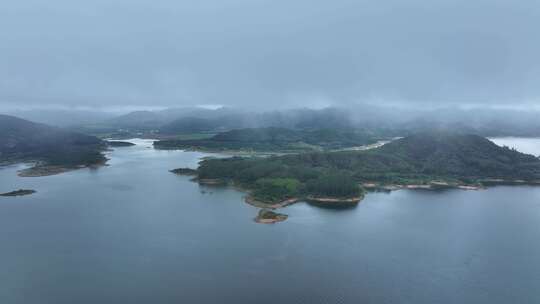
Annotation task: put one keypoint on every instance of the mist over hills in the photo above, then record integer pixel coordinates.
(180, 126)
(62, 117)
(22, 140)
(392, 121)
(273, 139)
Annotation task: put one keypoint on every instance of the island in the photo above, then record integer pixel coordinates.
(266, 216)
(20, 192)
(430, 160)
(276, 140)
(51, 150)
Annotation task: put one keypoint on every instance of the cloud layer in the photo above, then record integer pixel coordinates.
(269, 53)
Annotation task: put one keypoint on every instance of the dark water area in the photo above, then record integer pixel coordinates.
(134, 233)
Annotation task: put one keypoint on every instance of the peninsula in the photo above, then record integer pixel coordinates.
(52, 150)
(429, 160)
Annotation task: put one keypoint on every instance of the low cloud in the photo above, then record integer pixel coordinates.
(266, 54)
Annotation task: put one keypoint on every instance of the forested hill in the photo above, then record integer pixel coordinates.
(275, 139)
(429, 155)
(456, 159)
(464, 155)
(24, 140)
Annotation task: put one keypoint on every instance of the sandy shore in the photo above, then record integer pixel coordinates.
(334, 201)
(329, 201)
(438, 185)
(394, 187)
(250, 200)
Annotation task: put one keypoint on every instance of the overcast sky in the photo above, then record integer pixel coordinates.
(269, 53)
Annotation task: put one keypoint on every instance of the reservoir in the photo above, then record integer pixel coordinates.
(132, 232)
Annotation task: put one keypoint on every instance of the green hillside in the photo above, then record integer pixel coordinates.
(419, 159)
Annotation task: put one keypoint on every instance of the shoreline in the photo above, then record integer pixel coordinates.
(326, 201)
(260, 204)
(229, 152)
(432, 186)
(44, 170)
(437, 185)
(368, 186)
(335, 200)
(208, 181)
(266, 216)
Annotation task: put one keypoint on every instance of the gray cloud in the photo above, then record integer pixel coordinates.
(269, 53)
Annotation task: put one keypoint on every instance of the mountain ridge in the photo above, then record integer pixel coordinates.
(22, 140)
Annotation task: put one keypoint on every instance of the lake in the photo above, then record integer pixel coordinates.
(134, 233)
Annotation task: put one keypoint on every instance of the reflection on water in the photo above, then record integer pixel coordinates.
(134, 233)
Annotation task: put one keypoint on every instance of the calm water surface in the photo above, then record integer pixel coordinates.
(135, 233)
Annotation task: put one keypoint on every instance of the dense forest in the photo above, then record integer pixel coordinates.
(417, 159)
(22, 140)
(274, 140)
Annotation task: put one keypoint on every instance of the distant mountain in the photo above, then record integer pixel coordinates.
(385, 121)
(175, 120)
(206, 123)
(190, 125)
(225, 120)
(22, 140)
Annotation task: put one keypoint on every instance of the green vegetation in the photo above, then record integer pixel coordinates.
(273, 180)
(455, 159)
(274, 140)
(276, 189)
(74, 157)
(333, 185)
(266, 216)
